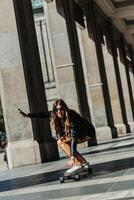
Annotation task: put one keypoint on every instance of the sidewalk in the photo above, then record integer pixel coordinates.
(112, 163)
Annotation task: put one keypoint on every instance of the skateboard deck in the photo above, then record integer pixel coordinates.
(76, 175)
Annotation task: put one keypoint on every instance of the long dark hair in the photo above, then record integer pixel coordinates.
(55, 120)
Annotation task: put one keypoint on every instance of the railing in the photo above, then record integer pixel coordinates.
(44, 50)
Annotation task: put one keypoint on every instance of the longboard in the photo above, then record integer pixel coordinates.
(76, 175)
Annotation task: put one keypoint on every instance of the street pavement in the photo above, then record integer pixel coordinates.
(113, 176)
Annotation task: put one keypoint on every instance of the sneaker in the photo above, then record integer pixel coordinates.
(86, 165)
(75, 168)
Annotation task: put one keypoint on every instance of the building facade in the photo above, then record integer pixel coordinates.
(71, 49)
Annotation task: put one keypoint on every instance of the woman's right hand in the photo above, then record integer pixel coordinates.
(70, 163)
(22, 113)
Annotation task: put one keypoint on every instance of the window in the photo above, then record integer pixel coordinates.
(37, 4)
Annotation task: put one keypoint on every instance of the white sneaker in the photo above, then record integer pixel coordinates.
(86, 165)
(75, 168)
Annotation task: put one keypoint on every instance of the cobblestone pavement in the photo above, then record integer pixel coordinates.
(113, 177)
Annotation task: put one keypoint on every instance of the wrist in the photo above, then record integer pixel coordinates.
(72, 157)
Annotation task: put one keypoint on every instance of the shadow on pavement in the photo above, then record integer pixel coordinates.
(98, 169)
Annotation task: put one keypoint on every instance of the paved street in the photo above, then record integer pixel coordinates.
(113, 178)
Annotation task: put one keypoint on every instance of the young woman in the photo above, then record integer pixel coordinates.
(71, 129)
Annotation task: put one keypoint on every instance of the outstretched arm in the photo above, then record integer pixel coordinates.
(22, 113)
(35, 115)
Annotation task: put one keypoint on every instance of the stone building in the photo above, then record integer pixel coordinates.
(79, 50)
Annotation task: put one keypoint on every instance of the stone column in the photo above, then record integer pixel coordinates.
(94, 89)
(112, 34)
(68, 8)
(128, 77)
(22, 149)
(125, 87)
(69, 14)
(131, 98)
(34, 78)
(91, 21)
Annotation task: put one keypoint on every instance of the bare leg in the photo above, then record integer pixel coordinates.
(64, 144)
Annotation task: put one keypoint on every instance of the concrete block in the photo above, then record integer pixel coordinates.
(121, 129)
(131, 126)
(103, 134)
(22, 153)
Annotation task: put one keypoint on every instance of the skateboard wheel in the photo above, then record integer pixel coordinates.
(61, 179)
(77, 177)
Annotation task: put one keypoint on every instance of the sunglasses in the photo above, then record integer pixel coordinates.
(58, 109)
